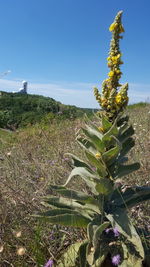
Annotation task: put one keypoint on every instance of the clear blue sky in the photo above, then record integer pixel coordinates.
(60, 47)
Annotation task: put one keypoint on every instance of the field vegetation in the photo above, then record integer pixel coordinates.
(31, 159)
(20, 110)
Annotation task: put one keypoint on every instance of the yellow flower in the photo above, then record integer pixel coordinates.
(114, 60)
(113, 26)
(118, 71)
(118, 56)
(118, 98)
(101, 129)
(98, 155)
(111, 73)
(121, 29)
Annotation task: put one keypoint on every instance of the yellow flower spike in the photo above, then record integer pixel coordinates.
(98, 155)
(112, 101)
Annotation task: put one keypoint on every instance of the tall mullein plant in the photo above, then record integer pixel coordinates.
(103, 211)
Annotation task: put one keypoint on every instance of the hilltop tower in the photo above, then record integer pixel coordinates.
(23, 89)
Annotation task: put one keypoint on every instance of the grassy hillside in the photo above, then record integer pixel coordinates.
(33, 157)
(18, 110)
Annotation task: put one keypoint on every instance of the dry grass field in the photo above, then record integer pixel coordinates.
(34, 157)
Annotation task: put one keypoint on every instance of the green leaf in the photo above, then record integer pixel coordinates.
(126, 146)
(69, 257)
(83, 200)
(92, 226)
(68, 220)
(79, 196)
(90, 231)
(56, 212)
(86, 144)
(130, 260)
(106, 124)
(104, 186)
(128, 133)
(97, 163)
(126, 169)
(82, 254)
(78, 162)
(113, 131)
(110, 156)
(138, 197)
(122, 120)
(120, 220)
(60, 202)
(87, 176)
(99, 231)
(95, 137)
(132, 196)
(100, 260)
(123, 127)
(87, 210)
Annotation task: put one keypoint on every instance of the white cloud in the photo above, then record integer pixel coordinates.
(74, 93)
(139, 92)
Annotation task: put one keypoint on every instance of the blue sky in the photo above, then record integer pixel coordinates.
(60, 47)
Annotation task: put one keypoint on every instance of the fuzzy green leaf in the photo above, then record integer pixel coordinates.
(82, 254)
(69, 258)
(104, 186)
(126, 146)
(95, 137)
(86, 144)
(123, 170)
(99, 231)
(128, 133)
(130, 259)
(132, 196)
(120, 220)
(106, 124)
(79, 196)
(122, 120)
(87, 176)
(56, 212)
(87, 210)
(110, 156)
(68, 220)
(97, 163)
(78, 162)
(113, 131)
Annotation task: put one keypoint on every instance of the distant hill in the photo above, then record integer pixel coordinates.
(19, 110)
